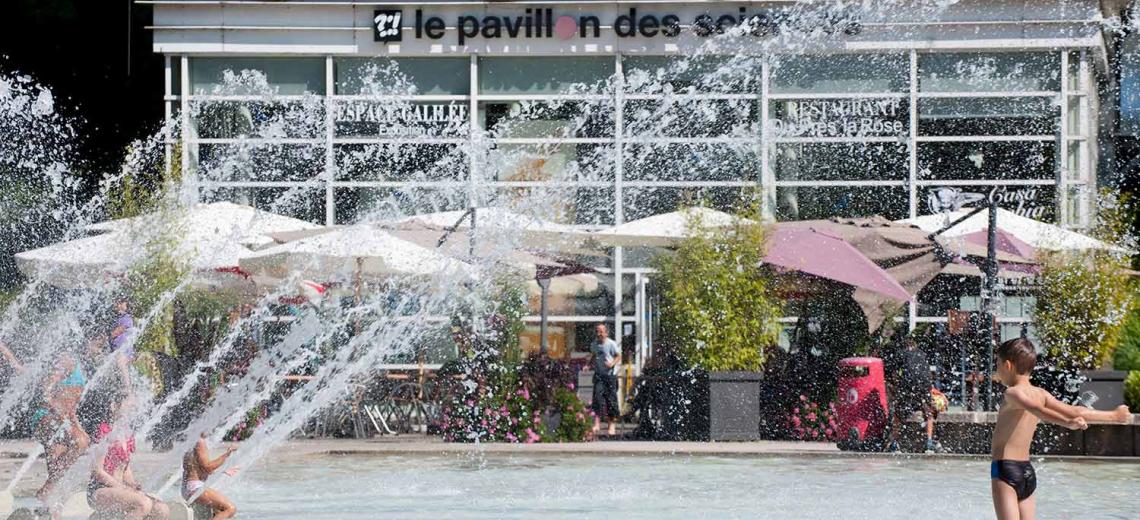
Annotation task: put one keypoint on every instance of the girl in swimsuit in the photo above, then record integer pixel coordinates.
(196, 468)
(56, 423)
(113, 489)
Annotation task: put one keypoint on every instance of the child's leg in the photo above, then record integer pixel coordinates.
(1028, 507)
(1005, 500)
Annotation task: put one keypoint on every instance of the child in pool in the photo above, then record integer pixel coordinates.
(196, 468)
(1012, 479)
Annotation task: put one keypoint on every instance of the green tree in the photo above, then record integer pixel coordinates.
(719, 305)
(1082, 301)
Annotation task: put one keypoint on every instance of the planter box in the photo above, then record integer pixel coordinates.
(1107, 440)
(734, 406)
(1108, 385)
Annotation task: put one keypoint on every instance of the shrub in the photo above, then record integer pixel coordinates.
(719, 303)
(1081, 305)
(1127, 354)
(808, 421)
(1132, 390)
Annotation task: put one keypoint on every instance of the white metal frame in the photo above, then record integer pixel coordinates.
(766, 182)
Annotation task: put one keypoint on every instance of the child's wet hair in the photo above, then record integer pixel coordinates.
(1020, 352)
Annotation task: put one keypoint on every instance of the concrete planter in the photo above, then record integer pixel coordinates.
(1108, 385)
(734, 406)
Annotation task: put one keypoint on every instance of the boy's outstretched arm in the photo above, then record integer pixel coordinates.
(1035, 401)
(1119, 415)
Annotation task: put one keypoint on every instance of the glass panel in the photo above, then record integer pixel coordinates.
(840, 161)
(406, 163)
(813, 203)
(264, 163)
(409, 76)
(990, 160)
(576, 295)
(641, 202)
(432, 345)
(691, 162)
(840, 74)
(544, 75)
(1130, 86)
(175, 75)
(989, 72)
(885, 117)
(1075, 117)
(563, 338)
(669, 74)
(232, 119)
(692, 118)
(563, 162)
(257, 76)
(944, 292)
(378, 204)
(1035, 202)
(987, 116)
(564, 205)
(1074, 71)
(640, 256)
(535, 119)
(1014, 330)
(628, 299)
(1073, 161)
(302, 203)
(1076, 207)
(401, 119)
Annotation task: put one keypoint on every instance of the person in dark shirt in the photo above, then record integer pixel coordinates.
(909, 376)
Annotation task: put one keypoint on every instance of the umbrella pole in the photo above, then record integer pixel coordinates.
(988, 300)
(544, 284)
(356, 292)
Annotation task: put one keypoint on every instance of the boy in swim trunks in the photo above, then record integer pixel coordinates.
(1012, 479)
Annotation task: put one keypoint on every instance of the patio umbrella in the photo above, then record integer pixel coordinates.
(356, 250)
(525, 230)
(666, 229)
(210, 237)
(818, 253)
(1037, 234)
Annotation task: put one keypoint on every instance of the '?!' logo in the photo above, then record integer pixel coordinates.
(386, 25)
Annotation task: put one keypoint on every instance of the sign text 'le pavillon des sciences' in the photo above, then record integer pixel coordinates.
(388, 24)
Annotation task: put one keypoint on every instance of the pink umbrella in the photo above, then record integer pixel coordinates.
(1006, 242)
(817, 253)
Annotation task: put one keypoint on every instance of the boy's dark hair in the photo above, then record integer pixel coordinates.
(1020, 352)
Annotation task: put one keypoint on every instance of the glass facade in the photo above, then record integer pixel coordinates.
(611, 138)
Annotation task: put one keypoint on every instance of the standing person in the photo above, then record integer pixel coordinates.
(196, 468)
(606, 358)
(1012, 479)
(912, 386)
(122, 331)
(55, 424)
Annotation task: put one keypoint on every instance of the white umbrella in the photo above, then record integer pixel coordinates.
(209, 237)
(356, 250)
(666, 229)
(526, 230)
(1033, 232)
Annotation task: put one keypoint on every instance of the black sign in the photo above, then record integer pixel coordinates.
(387, 25)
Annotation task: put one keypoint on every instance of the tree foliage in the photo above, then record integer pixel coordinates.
(1082, 301)
(719, 306)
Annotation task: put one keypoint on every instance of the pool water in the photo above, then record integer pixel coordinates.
(480, 485)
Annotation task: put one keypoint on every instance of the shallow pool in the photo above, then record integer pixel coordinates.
(589, 486)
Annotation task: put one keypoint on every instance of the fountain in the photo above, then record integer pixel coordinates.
(671, 131)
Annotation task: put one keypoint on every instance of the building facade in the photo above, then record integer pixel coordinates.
(819, 112)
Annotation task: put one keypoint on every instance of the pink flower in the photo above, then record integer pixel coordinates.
(511, 437)
(531, 437)
(796, 410)
(503, 408)
(799, 432)
(803, 398)
(796, 422)
(814, 434)
(470, 403)
(811, 416)
(830, 432)
(570, 386)
(580, 416)
(526, 394)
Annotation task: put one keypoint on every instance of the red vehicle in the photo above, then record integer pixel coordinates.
(862, 403)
